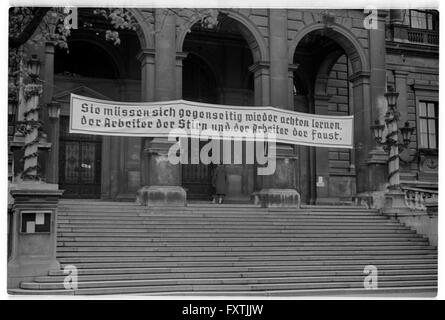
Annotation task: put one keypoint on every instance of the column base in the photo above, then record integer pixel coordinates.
(33, 253)
(279, 198)
(27, 269)
(395, 205)
(162, 196)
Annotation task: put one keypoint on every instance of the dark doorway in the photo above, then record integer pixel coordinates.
(199, 85)
(79, 163)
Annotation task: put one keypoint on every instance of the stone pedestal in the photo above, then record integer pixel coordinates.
(164, 178)
(378, 169)
(279, 198)
(33, 231)
(395, 204)
(162, 196)
(239, 183)
(278, 189)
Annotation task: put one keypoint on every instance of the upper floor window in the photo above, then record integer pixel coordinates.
(424, 19)
(428, 124)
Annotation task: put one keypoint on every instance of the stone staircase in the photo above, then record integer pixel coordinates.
(123, 248)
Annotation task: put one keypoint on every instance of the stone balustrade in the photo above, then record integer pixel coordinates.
(420, 199)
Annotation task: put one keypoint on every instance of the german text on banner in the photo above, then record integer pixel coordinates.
(158, 119)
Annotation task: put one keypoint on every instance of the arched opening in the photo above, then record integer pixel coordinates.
(321, 86)
(200, 83)
(216, 70)
(88, 165)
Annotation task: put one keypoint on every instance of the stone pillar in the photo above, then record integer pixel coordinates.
(279, 189)
(376, 171)
(370, 161)
(164, 179)
(290, 91)
(322, 154)
(279, 64)
(377, 54)
(53, 134)
(400, 78)
(51, 126)
(147, 59)
(33, 232)
(261, 79)
(180, 56)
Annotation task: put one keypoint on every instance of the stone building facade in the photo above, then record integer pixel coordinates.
(314, 61)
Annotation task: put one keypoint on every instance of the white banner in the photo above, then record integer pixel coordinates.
(158, 119)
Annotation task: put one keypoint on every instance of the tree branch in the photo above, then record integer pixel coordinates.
(26, 34)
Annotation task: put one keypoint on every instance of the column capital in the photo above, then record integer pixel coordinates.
(146, 55)
(361, 75)
(293, 67)
(400, 73)
(259, 66)
(181, 55)
(49, 47)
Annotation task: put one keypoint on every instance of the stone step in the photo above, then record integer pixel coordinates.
(246, 244)
(266, 263)
(233, 234)
(282, 254)
(176, 227)
(110, 287)
(123, 248)
(222, 240)
(212, 208)
(385, 292)
(234, 230)
(223, 215)
(220, 221)
(219, 275)
(388, 291)
(247, 224)
(294, 238)
(226, 257)
(427, 267)
(153, 249)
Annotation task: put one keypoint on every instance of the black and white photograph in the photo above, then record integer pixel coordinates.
(269, 152)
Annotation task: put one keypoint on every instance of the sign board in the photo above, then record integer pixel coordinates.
(158, 119)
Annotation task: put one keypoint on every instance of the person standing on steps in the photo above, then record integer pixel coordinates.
(219, 181)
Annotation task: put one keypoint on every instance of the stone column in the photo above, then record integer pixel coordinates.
(180, 56)
(290, 91)
(279, 64)
(400, 78)
(261, 79)
(51, 126)
(377, 54)
(370, 162)
(376, 177)
(164, 179)
(147, 59)
(279, 189)
(54, 133)
(322, 154)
